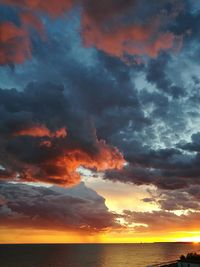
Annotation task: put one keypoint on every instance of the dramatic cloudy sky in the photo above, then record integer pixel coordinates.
(99, 120)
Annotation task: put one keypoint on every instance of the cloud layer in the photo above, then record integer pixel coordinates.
(162, 221)
(26, 206)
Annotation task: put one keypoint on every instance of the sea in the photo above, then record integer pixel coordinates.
(92, 255)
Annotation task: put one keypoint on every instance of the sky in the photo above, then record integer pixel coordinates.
(99, 121)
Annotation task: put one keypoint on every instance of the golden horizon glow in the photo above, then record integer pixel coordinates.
(193, 239)
(32, 236)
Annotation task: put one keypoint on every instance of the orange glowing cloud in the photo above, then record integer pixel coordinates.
(60, 133)
(42, 131)
(59, 160)
(134, 39)
(103, 28)
(15, 44)
(31, 21)
(63, 168)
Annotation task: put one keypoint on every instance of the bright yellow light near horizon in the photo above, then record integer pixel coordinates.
(191, 238)
(15, 235)
(196, 240)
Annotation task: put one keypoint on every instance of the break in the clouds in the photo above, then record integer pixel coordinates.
(110, 86)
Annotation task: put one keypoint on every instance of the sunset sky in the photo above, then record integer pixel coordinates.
(99, 121)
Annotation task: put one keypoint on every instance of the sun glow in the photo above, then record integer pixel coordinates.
(196, 240)
(193, 238)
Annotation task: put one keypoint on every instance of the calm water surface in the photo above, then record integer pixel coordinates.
(94, 255)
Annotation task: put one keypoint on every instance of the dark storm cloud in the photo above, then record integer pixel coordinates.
(193, 146)
(9, 14)
(148, 176)
(55, 208)
(156, 74)
(166, 169)
(187, 22)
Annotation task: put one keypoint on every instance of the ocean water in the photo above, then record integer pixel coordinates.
(92, 255)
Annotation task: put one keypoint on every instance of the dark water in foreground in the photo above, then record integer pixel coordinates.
(92, 255)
